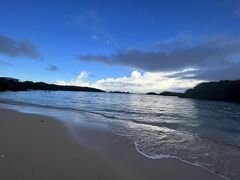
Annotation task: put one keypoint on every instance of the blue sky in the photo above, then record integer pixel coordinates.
(109, 40)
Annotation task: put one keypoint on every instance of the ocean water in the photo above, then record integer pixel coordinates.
(203, 133)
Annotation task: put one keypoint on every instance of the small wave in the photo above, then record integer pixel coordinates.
(100, 113)
(22, 103)
(163, 156)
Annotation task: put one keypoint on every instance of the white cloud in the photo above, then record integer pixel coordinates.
(79, 81)
(137, 82)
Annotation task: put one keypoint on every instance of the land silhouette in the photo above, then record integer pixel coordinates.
(224, 90)
(11, 84)
(221, 91)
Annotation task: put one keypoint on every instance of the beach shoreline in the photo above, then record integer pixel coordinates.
(40, 147)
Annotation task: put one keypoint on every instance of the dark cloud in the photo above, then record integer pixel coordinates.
(6, 63)
(230, 72)
(209, 56)
(15, 48)
(52, 68)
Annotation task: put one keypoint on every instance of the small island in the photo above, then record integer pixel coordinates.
(151, 93)
(169, 93)
(119, 92)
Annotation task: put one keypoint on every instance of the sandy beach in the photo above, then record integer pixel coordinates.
(39, 147)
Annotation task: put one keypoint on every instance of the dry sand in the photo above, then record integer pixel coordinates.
(35, 147)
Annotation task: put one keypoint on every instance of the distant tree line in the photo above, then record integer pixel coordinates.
(11, 84)
(222, 90)
(219, 91)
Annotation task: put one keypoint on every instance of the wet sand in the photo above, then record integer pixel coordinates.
(39, 147)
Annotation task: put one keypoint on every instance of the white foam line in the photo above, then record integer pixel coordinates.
(148, 156)
(155, 157)
(174, 157)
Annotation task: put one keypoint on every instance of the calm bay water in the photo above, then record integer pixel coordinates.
(204, 133)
